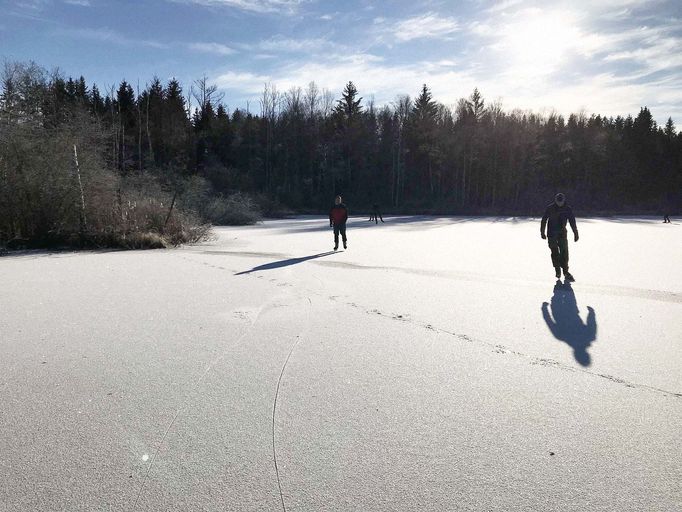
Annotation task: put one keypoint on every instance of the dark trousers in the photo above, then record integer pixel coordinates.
(559, 248)
(339, 228)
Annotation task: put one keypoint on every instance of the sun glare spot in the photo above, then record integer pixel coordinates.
(537, 41)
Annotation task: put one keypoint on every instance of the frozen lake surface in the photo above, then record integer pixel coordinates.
(435, 365)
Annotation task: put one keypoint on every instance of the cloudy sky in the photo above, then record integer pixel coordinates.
(603, 56)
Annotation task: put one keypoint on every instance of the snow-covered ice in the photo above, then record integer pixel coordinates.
(434, 365)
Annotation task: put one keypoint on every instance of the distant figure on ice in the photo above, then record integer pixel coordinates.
(666, 218)
(555, 218)
(338, 216)
(376, 214)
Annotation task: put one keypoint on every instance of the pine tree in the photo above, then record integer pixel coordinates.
(127, 123)
(477, 104)
(644, 122)
(97, 106)
(348, 107)
(175, 124)
(152, 105)
(347, 117)
(669, 129)
(71, 89)
(57, 101)
(81, 93)
(424, 107)
(423, 128)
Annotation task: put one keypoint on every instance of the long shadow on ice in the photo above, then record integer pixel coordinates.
(285, 263)
(565, 322)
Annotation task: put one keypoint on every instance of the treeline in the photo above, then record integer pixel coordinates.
(301, 147)
(57, 183)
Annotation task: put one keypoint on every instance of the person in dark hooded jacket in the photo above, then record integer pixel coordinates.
(338, 216)
(376, 214)
(557, 214)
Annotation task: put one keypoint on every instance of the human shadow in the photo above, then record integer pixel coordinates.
(285, 263)
(566, 325)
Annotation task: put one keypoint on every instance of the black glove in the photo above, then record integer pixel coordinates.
(543, 236)
(575, 237)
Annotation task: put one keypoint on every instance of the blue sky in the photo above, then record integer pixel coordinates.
(603, 56)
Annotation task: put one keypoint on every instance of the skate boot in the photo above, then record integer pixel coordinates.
(557, 272)
(345, 246)
(568, 276)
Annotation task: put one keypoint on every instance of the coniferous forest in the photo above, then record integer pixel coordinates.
(76, 160)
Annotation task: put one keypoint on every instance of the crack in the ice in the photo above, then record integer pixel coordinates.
(634, 292)
(274, 413)
(180, 409)
(501, 349)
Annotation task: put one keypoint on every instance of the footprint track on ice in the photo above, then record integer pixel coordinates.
(503, 350)
(494, 347)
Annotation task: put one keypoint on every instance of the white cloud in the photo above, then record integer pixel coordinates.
(278, 45)
(283, 44)
(606, 94)
(249, 83)
(481, 29)
(39, 5)
(215, 48)
(369, 72)
(375, 77)
(532, 44)
(259, 6)
(31, 5)
(585, 54)
(426, 26)
(533, 58)
(585, 6)
(447, 63)
(106, 35)
(326, 17)
(503, 6)
(652, 49)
